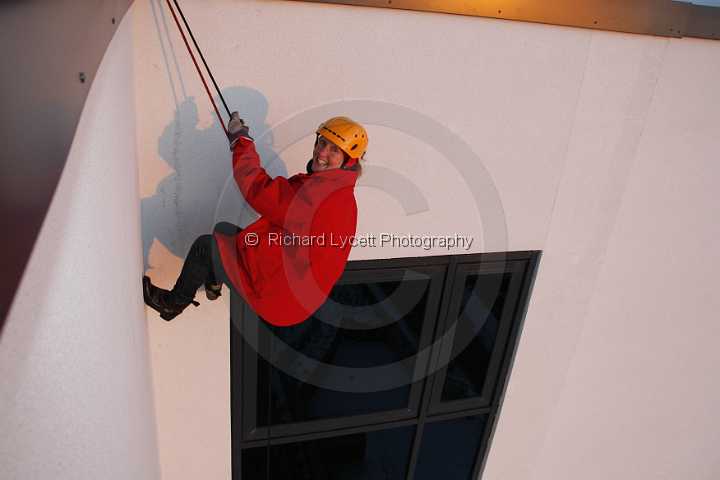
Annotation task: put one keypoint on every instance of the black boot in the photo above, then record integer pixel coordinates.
(158, 299)
(213, 290)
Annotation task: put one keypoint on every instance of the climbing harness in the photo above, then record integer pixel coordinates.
(197, 67)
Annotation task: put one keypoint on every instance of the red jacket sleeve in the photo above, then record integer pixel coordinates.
(270, 197)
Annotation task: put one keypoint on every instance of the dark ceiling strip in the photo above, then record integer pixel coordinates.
(703, 22)
(51, 51)
(665, 18)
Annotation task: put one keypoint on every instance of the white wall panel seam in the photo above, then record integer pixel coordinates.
(601, 260)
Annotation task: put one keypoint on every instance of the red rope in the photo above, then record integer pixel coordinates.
(222, 123)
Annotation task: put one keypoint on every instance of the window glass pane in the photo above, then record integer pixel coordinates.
(449, 449)
(254, 464)
(484, 297)
(364, 326)
(262, 392)
(362, 456)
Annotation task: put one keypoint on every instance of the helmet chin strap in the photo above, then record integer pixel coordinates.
(349, 164)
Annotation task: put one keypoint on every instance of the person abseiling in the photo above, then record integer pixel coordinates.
(278, 263)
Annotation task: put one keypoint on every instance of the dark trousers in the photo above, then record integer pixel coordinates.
(202, 265)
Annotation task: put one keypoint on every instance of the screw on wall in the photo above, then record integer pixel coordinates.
(113, 20)
(81, 76)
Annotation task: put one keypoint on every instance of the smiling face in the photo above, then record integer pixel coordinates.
(326, 155)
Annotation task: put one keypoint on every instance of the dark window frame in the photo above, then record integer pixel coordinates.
(462, 271)
(429, 410)
(355, 273)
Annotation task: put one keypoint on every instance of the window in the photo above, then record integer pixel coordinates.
(399, 374)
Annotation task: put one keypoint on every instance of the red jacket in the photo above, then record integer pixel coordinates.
(286, 262)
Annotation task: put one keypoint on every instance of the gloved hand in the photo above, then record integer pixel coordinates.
(236, 129)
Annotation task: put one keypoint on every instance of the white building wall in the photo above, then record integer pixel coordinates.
(598, 148)
(75, 397)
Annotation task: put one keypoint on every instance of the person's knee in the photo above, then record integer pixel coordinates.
(226, 228)
(201, 246)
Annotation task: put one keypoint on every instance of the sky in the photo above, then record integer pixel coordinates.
(711, 3)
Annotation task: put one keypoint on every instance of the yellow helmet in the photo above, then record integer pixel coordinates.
(347, 134)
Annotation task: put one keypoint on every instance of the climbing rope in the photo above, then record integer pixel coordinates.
(197, 67)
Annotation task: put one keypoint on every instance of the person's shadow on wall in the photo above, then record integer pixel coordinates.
(201, 192)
